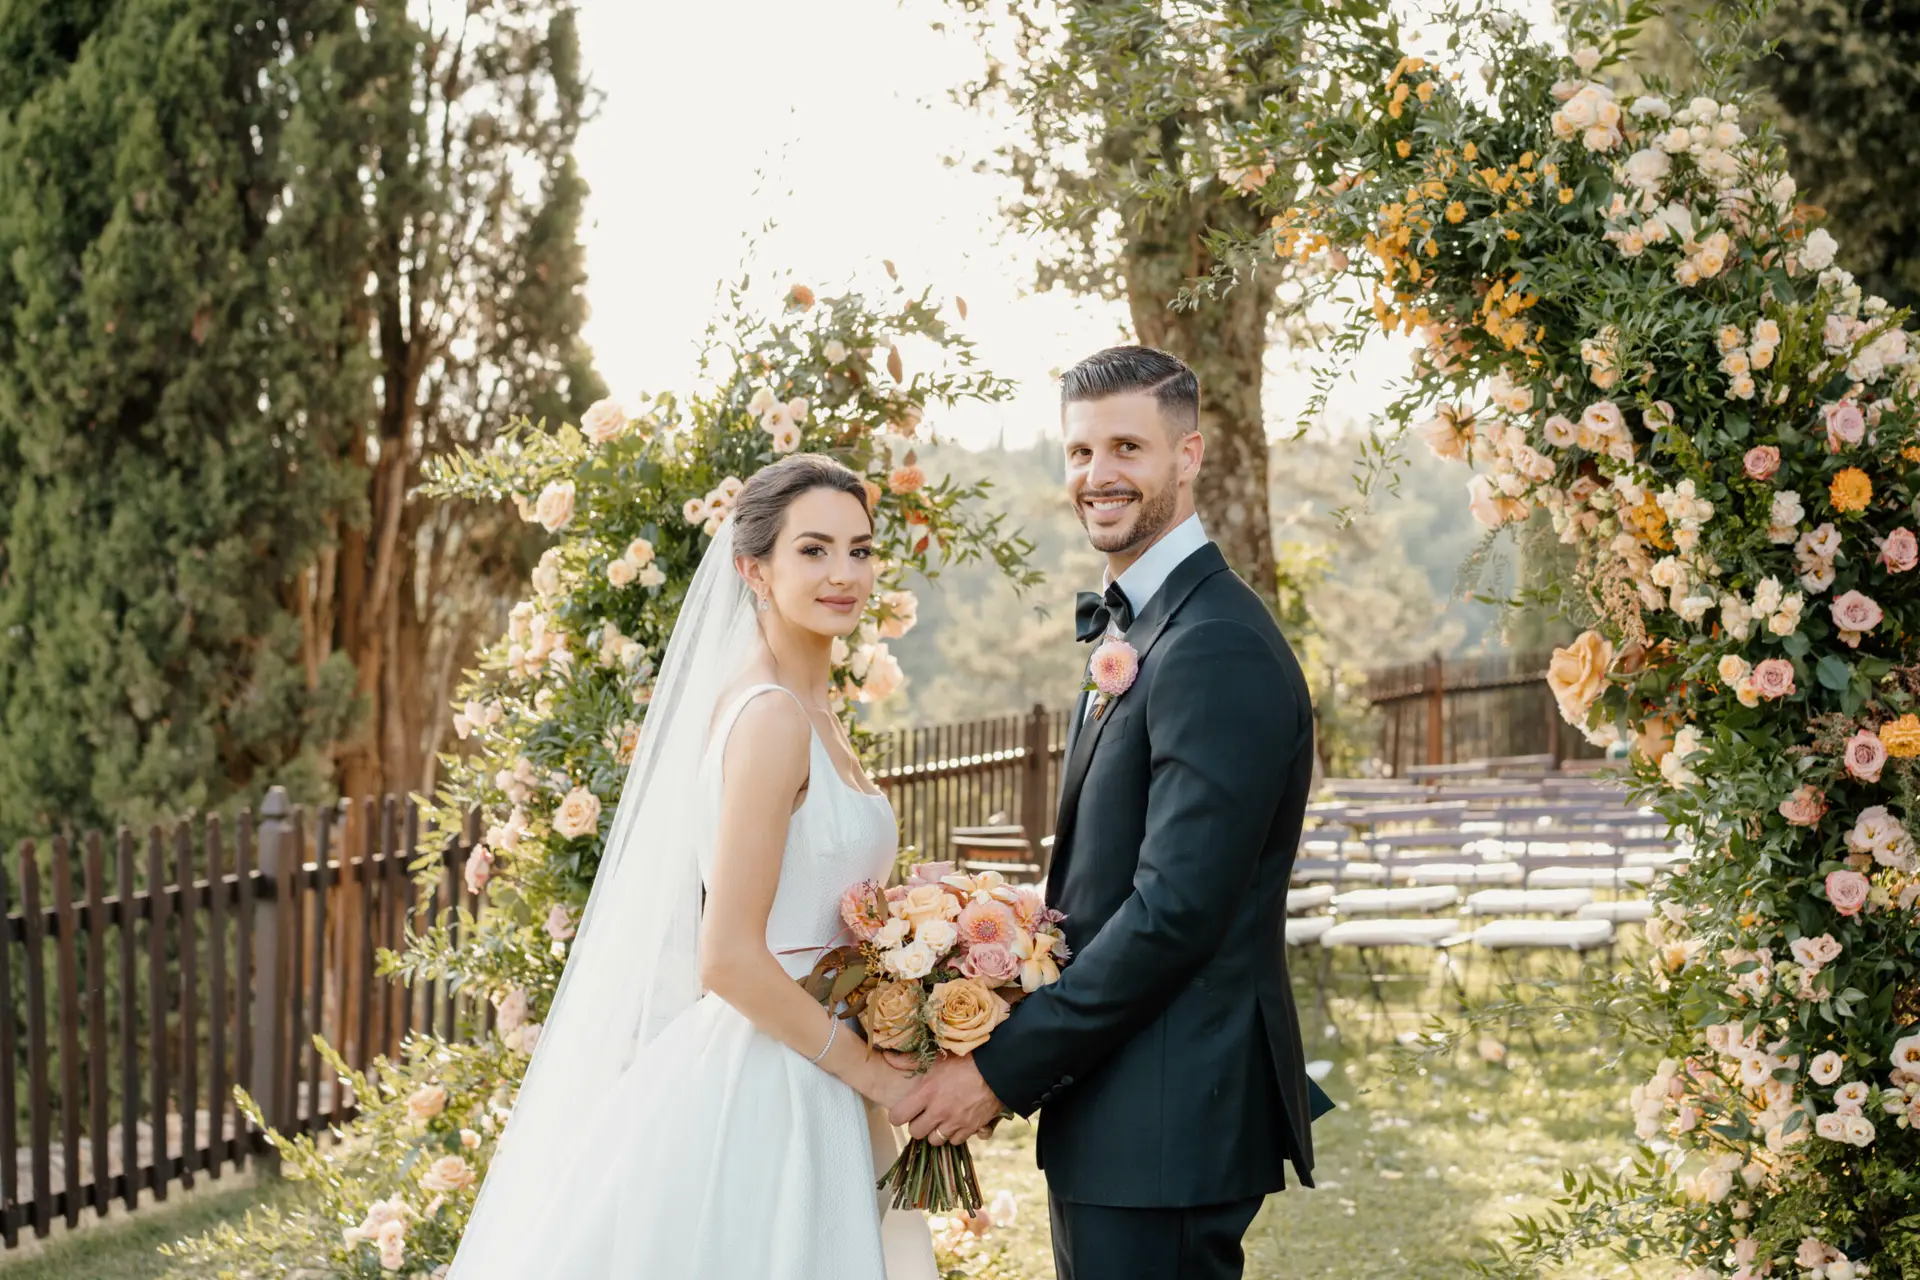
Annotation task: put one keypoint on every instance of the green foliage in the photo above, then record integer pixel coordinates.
(1847, 103)
(173, 366)
(551, 711)
(256, 262)
(1632, 327)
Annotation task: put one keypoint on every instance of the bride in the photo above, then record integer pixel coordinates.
(690, 1111)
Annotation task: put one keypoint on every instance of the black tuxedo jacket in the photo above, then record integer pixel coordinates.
(1167, 1062)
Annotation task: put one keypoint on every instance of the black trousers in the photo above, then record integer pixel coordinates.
(1100, 1242)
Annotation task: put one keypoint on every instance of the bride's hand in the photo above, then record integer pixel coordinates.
(890, 1077)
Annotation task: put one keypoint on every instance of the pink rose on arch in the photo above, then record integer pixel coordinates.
(1847, 891)
(1866, 755)
(1813, 1253)
(1846, 425)
(1900, 550)
(1773, 678)
(991, 963)
(479, 869)
(1762, 461)
(1805, 807)
(1854, 614)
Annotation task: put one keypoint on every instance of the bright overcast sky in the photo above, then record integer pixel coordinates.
(846, 109)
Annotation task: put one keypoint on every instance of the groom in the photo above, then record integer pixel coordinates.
(1167, 1058)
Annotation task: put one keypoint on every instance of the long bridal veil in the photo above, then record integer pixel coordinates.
(634, 965)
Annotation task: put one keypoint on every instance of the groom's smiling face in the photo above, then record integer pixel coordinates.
(1129, 470)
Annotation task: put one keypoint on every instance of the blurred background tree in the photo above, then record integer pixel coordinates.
(1846, 77)
(1130, 111)
(1843, 77)
(445, 134)
(257, 261)
(176, 382)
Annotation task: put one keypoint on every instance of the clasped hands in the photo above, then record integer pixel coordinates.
(950, 1103)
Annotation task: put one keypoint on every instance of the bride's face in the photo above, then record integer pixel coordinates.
(820, 572)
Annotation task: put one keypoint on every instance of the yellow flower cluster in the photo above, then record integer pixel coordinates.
(1293, 239)
(1648, 523)
(1850, 490)
(1499, 314)
(1901, 737)
(1399, 87)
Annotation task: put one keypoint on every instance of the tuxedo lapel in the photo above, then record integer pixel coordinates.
(1142, 635)
(1074, 725)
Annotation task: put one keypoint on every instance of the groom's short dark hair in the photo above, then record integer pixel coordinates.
(1120, 370)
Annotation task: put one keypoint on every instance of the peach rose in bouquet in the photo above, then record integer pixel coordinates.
(935, 965)
(891, 1017)
(963, 1013)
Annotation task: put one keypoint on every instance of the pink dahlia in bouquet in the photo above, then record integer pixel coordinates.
(935, 965)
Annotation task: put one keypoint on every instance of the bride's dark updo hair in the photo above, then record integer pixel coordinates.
(761, 507)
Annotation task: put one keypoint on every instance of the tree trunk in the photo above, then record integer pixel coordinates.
(1224, 339)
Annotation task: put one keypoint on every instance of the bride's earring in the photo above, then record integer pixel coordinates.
(765, 604)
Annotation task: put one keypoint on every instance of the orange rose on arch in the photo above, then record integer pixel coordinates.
(1902, 737)
(1578, 673)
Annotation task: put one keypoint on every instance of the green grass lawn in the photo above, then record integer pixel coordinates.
(1411, 1172)
(126, 1246)
(1414, 1167)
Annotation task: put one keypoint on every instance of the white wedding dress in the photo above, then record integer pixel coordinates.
(721, 1154)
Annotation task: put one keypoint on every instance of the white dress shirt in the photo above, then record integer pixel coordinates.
(1144, 577)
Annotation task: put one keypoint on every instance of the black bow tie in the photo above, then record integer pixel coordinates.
(1092, 613)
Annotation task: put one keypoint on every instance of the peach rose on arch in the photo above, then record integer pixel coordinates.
(1854, 615)
(1578, 673)
(1847, 891)
(1773, 679)
(1805, 807)
(1900, 551)
(1865, 756)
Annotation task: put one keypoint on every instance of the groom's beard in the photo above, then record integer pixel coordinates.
(1155, 517)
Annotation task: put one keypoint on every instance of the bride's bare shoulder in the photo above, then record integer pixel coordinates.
(776, 721)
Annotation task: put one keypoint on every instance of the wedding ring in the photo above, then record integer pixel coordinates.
(939, 1138)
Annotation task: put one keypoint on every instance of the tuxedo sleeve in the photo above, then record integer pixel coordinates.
(1222, 724)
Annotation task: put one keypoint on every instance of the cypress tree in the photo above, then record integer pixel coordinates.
(170, 408)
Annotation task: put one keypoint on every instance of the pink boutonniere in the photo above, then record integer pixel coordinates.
(1110, 673)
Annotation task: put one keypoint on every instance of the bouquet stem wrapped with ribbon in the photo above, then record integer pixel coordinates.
(936, 964)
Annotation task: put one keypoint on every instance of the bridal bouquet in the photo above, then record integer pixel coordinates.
(936, 964)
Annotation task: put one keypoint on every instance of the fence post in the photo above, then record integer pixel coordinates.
(276, 852)
(1436, 709)
(1034, 800)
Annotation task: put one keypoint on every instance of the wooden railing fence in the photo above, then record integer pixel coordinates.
(968, 774)
(1443, 711)
(201, 957)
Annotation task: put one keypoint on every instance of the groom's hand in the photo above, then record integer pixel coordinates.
(951, 1100)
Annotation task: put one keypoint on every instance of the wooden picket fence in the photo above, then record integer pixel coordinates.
(201, 957)
(1449, 710)
(1002, 768)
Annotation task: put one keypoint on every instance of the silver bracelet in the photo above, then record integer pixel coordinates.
(832, 1031)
